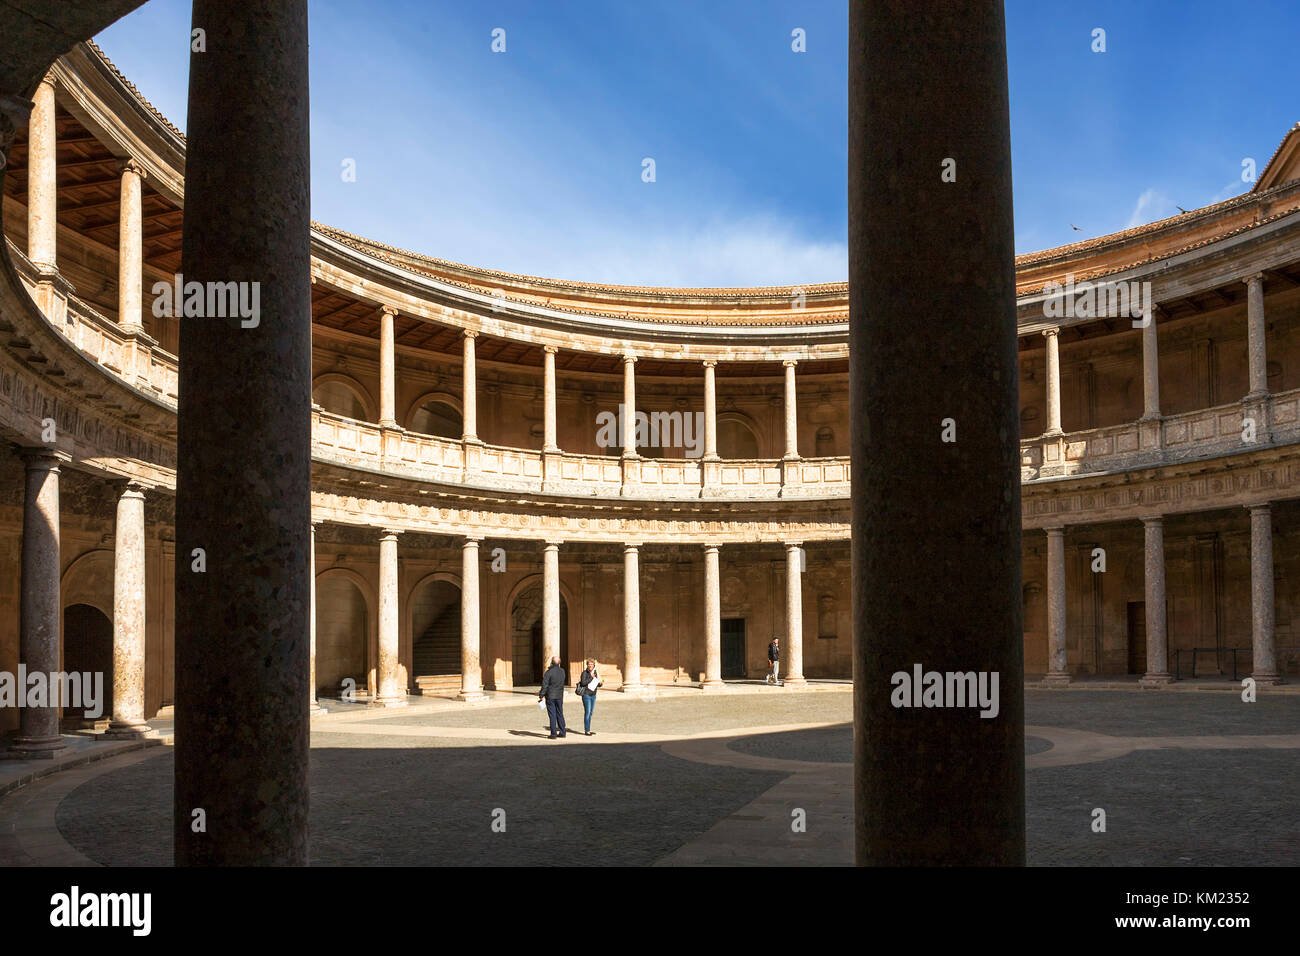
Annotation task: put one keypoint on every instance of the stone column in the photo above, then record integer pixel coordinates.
(243, 495)
(312, 706)
(387, 369)
(129, 615)
(792, 653)
(631, 620)
(936, 524)
(791, 413)
(549, 442)
(391, 693)
(1058, 671)
(627, 421)
(712, 621)
(1150, 369)
(1263, 643)
(1157, 633)
(39, 648)
(1256, 336)
(42, 179)
(471, 670)
(130, 249)
(1053, 381)
(710, 411)
(551, 603)
(469, 398)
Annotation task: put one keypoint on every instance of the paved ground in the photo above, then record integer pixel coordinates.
(1184, 779)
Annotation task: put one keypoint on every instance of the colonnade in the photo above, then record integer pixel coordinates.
(390, 693)
(1263, 639)
(1256, 349)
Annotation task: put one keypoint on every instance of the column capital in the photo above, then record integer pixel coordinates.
(129, 487)
(472, 541)
(792, 545)
(632, 546)
(1055, 530)
(710, 363)
(386, 533)
(1151, 519)
(790, 363)
(550, 349)
(132, 165)
(629, 358)
(316, 523)
(1253, 278)
(388, 310)
(469, 333)
(552, 544)
(1267, 506)
(710, 548)
(37, 457)
(1048, 333)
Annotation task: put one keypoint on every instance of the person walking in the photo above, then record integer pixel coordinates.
(553, 692)
(587, 685)
(774, 661)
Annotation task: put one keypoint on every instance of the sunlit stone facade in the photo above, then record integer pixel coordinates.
(462, 428)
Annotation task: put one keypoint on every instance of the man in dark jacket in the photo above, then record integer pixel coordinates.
(553, 691)
(774, 661)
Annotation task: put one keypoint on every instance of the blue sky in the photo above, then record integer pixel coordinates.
(531, 160)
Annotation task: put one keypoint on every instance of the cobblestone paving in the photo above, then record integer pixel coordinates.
(429, 799)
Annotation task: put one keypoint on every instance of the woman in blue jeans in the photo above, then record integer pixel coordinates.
(587, 685)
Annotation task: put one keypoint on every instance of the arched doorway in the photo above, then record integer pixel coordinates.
(735, 438)
(338, 395)
(342, 625)
(435, 630)
(526, 635)
(88, 649)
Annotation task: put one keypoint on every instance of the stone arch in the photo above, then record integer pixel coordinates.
(738, 436)
(524, 620)
(88, 580)
(345, 631)
(423, 415)
(326, 391)
(434, 612)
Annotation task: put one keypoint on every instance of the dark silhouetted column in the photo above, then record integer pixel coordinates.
(935, 426)
(243, 514)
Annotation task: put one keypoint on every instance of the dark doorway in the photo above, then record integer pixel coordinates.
(88, 648)
(526, 653)
(1137, 637)
(733, 648)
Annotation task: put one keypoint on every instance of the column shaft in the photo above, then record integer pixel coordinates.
(130, 250)
(1256, 333)
(387, 370)
(549, 442)
(1150, 368)
(1053, 381)
(712, 621)
(469, 397)
(631, 619)
(791, 412)
(627, 420)
(39, 605)
(471, 670)
(390, 693)
(42, 179)
(710, 411)
(312, 706)
(129, 633)
(792, 665)
(243, 483)
(1157, 632)
(1058, 671)
(935, 524)
(1263, 642)
(551, 605)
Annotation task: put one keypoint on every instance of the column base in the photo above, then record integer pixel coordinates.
(472, 696)
(713, 687)
(315, 710)
(36, 748)
(1267, 678)
(1155, 680)
(1255, 396)
(389, 702)
(126, 732)
(794, 682)
(1056, 680)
